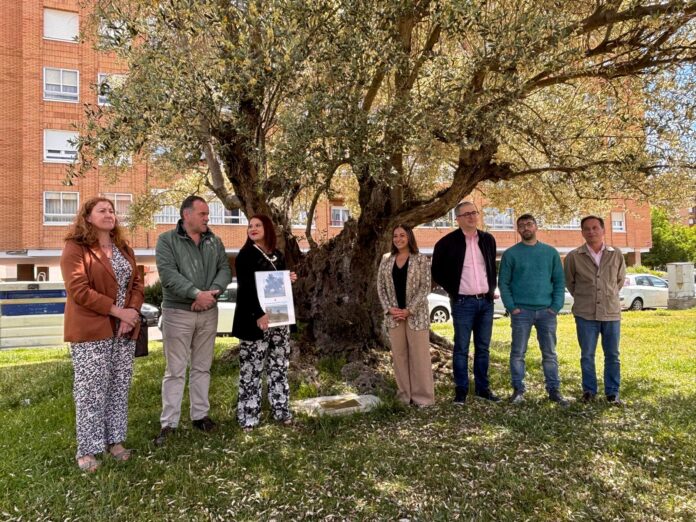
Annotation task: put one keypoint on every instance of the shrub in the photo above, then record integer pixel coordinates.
(640, 269)
(153, 294)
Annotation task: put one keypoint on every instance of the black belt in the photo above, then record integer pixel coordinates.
(475, 296)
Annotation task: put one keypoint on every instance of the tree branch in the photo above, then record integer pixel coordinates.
(425, 53)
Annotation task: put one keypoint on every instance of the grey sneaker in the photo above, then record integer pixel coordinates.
(517, 397)
(555, 396)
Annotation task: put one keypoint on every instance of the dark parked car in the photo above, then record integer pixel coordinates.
(151, 314)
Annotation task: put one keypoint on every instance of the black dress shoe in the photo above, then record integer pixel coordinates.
(460, 394)
(488, 395)
(165, 432)
(205, 424)
(588, 397)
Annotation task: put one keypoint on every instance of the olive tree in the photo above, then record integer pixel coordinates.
(416, 103)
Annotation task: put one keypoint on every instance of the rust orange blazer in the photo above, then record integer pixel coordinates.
(92, 288)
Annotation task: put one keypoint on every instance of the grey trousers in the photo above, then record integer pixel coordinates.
(189, 338)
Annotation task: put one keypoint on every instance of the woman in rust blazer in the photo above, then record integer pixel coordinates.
(102, 320)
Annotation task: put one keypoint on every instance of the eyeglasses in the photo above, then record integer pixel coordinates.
(528, 224)
(467, 214)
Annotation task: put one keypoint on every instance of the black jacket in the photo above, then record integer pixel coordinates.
(448, 261)
(249, 261)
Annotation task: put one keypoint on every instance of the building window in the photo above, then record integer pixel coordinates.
(494, 219)
(446, 221)
(573, 224)
(299, 219)
(122, 203)
(60, 208)
(219, 215)
(618, 222)
(339, 215)
(61, 25)
(166, 215)
(61, 84)
(105, 83)
(59, 146)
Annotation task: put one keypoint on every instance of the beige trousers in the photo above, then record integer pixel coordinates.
(188, 337)
(412, 367)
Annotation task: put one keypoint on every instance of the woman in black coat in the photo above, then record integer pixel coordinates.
(260, 345)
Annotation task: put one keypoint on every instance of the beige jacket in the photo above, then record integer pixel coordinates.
(595, 290)
(417, 290)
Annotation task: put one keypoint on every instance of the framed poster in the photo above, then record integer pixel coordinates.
(275, 296)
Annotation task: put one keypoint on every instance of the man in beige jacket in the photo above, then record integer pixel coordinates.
(594, 276)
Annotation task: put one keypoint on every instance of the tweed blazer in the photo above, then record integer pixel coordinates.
(417, 290)
(595, 290)
(92, 288)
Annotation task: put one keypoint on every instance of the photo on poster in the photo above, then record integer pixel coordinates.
(274, 291)
(274, 285)
(278, 314)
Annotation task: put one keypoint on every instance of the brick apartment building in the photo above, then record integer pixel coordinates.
(46, 76)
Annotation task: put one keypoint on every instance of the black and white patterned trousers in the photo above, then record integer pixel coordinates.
(103, 371)
(272, 352)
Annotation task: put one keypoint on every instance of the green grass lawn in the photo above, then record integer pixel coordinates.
(483, 461)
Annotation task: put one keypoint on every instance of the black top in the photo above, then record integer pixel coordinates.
(399, 277)
(448, 261)
(249, 261)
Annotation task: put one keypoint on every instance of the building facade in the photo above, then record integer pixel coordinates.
(48, 75)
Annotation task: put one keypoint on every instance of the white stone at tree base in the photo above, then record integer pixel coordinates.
(336, 404)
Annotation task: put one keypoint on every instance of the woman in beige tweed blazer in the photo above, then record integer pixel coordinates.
(403, 285)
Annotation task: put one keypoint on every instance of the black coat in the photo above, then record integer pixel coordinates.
(448, 261)
(249, 261)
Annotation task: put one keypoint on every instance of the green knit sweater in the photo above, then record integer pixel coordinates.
(531, 277)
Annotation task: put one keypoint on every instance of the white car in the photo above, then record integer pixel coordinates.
(644, 291)
(227, 302)
(439, 306)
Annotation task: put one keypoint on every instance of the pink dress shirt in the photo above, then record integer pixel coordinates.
(474, 280)
(596, 256)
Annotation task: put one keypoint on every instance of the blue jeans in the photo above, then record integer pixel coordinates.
(588, 334)
(471, 314)
(545, 323)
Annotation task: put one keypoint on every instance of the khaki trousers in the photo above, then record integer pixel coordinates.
(412, 367)
(187, 337)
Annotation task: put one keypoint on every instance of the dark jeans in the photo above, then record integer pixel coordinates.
(588, 335)
(471, 314)
(545, 323)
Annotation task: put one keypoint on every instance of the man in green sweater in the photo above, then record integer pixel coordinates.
(532, 287)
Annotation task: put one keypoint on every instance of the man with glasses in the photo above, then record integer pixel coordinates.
(464, 265)
(532, 287)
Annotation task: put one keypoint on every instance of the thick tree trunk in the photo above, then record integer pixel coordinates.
(337, 295)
